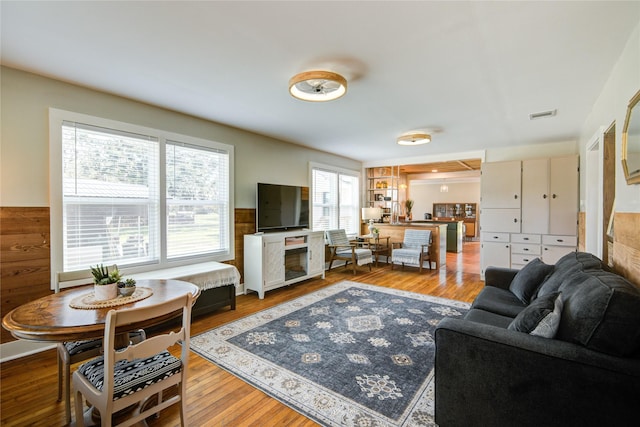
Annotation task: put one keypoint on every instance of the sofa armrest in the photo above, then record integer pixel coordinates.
(486, 375)
(499, 277)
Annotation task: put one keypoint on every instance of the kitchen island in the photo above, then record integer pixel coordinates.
(455, 231)
(438, 249)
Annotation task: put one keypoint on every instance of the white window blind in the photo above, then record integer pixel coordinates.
(141, 198)
(110, 197)
(349, 194)
(197, 200)
(336, 198)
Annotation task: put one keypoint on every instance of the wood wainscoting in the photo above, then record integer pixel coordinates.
(626, 245)
(24, 257)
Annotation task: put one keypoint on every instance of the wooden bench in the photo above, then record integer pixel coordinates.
(216, 280)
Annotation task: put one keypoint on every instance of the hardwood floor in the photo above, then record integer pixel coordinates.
(215, 397)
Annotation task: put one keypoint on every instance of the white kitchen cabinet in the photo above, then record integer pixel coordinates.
(500, 220)
(494, 254)
(535, 196)
(500, 185)
(543, 222)
(550, 195)
(273, 260)
(555, 247)
(563, 189)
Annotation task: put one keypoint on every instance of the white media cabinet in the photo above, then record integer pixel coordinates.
(273, 260)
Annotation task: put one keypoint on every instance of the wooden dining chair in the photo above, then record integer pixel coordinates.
(414, 249)
(123, 377)
(72, 352)
(341, 248)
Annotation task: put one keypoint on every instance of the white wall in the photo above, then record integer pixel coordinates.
(610, 107)
(24, 149)
(425, 194)
(533, 151)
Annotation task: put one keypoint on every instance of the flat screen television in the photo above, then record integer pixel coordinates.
(281, 207)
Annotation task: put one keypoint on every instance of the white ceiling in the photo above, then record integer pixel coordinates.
(470, 72)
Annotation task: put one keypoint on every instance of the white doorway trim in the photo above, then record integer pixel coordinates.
(594, 177)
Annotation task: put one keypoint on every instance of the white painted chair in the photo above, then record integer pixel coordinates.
(124, 377)
(414, 249)
(72, 352)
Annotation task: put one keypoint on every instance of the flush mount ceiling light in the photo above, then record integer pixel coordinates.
(317, 86)
(414, 138)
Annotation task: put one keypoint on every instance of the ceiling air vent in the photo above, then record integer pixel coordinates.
(542, 114)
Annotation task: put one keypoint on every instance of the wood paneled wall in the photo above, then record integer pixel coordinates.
(25, 262)
(24, 257)
(626, 245)
(245, 224)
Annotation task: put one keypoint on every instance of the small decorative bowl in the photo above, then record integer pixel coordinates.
(126, 291)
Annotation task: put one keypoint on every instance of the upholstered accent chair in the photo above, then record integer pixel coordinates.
(414, 249)
(72, 352)
(341, 248)
(124, 377)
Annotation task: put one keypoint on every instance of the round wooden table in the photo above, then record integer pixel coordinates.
(52, 319)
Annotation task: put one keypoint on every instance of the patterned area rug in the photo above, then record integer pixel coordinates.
(347, 355)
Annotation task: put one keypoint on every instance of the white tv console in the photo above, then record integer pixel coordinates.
(273, 260)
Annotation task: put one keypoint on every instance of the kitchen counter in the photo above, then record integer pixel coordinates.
(438, 250)
(455, 231)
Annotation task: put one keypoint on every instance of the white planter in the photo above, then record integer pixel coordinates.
(105, 292)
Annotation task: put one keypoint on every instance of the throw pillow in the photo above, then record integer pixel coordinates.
(527, 281)
(541, 317)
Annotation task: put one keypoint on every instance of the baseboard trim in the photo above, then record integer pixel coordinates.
(22, 348)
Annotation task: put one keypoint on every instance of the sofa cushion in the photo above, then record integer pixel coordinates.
(499, 301)
(566, 266)
(488, 318)
(541, 317)
(527, 281)
(601, 312)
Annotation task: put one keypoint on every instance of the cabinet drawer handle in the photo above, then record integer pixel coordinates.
(495, 237)
(544, 196)
(515, 196)
(559, 240)
(525, 259)
(554, 196)
(546, 249)
(526, 249)
(526, 238)
(515, 219)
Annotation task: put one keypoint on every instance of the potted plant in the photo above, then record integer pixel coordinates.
(127, 288)
(375, 232)
(408, 205)
(105, 282)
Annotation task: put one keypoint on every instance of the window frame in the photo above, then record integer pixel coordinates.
(72, 278)
(338, 171)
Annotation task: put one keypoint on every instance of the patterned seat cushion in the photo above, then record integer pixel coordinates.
(77, 347)
(132, 376)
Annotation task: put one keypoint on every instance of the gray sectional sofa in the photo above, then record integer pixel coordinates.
(543, 346)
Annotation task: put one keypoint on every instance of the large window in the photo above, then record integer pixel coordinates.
(336, 199)
(136, 197)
